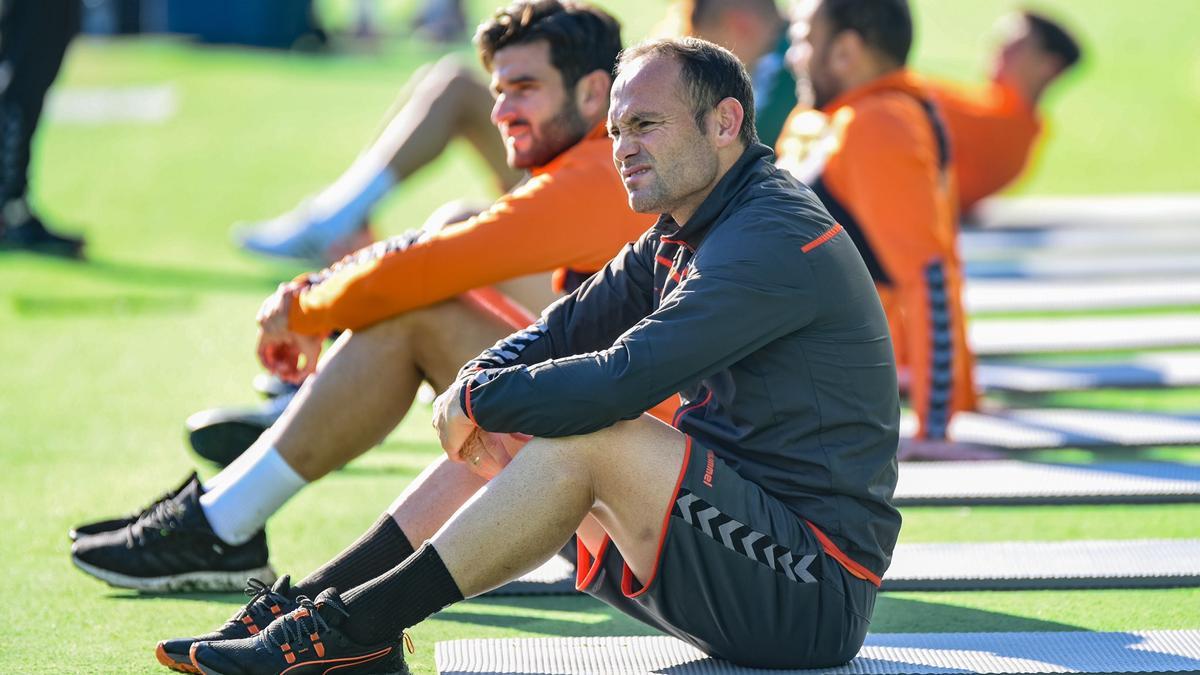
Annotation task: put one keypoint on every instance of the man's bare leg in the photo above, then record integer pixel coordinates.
(447, 102)
(623, 476)
(450, 101)
(368, 381)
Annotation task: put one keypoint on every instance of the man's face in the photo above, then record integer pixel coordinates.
(667, 163)
(808, 57)
(1020, 56)
(534, 112)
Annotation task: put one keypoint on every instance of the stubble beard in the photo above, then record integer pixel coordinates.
(559, 133)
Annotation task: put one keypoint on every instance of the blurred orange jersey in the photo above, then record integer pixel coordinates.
(992, 132)
(572, 213)
(878, 159)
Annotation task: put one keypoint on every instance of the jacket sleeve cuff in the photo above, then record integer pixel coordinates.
(464, 398)
(305, 321)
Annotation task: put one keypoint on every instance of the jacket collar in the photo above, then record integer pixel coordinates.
(745, 170)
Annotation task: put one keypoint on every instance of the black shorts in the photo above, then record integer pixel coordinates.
(739, 576)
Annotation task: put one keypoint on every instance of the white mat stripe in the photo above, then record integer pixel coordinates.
(1138, 563)
(1019, 243)
(1059, 266)
(1134, 212)
(107, 105)
(993, 295)
(1010, 481)
(1067, 334)
(1034, 428)
(1161, 369)
(1171, 651)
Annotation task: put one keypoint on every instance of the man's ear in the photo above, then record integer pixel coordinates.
(726, 120)
(846, 52)
(591, 94)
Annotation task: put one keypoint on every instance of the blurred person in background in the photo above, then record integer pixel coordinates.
(756, 32)
(34, 35)
(448, 100)
(874, 149)
(993, 129)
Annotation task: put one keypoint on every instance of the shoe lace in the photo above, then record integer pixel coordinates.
(160, 517)
(294, 626)
(258, 590)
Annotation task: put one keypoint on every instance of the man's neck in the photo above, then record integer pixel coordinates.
(868, 73)
(726, 158)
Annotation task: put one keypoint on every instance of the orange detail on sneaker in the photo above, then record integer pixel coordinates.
(161, 654)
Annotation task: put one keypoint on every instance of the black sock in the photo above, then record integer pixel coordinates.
(383, 607)
(378, 550)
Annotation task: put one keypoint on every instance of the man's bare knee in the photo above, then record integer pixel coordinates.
(450, 78)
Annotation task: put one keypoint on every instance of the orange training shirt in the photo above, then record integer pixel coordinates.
(875, 159)
(573, 212)
(992, 132)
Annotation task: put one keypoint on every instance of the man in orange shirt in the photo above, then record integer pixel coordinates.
(875, 151)
(551, 66)
(993, 129)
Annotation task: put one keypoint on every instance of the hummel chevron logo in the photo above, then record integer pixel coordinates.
(740, 539)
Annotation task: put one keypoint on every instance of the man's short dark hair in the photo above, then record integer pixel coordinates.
(703, 12)
(1053, 38)
(884, 25)
(582, 39)
(710, 74)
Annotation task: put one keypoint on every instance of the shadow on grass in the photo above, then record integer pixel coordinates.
(101, 306)
(192, 278)
(378, 469)
(236, 599)
(904, 615)
(546, 615)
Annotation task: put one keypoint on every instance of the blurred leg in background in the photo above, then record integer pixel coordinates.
(34, 35)
(448, 101)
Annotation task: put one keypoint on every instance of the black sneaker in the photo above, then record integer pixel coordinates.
(172, 549)
(20, 230)
(119, 523)
(271, 386)
(307, 641)
(221, 435)
(267, 603)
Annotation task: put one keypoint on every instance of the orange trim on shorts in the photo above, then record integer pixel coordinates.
(626, 574)
(837, 554)
(585, 572)
(829, 234)
(683, 411)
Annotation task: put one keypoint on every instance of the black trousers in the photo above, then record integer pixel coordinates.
(34, 35)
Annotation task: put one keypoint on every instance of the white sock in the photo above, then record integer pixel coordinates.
(243, 496)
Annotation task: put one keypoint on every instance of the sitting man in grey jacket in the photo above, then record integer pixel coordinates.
(757, 527)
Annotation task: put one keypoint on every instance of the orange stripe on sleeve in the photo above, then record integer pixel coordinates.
(829, 234)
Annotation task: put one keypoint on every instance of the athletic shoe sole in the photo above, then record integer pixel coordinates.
(334, 665)
(180, 663)
(223, 441)
(190, 582)
(221, 435)
(98, 528)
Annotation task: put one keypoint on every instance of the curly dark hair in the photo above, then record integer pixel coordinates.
(582, 38)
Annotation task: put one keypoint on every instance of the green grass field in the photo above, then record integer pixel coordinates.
(103, 360)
